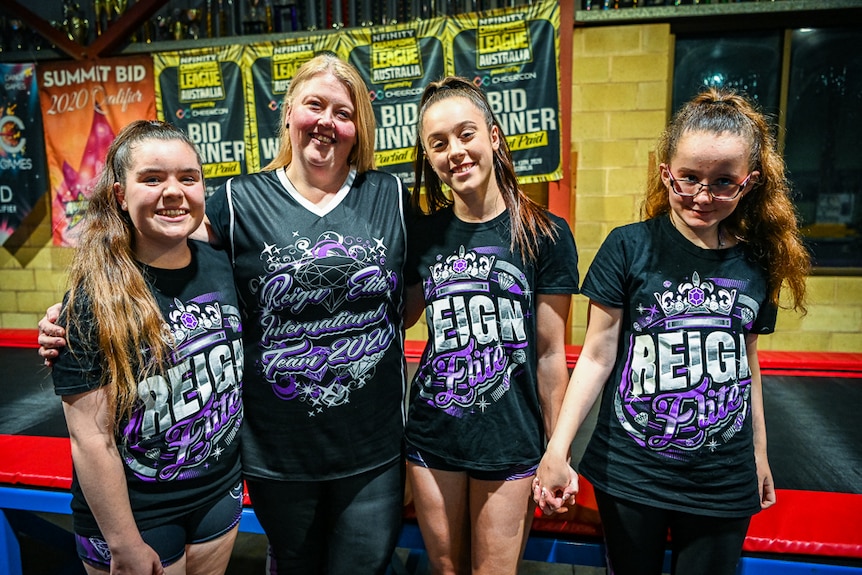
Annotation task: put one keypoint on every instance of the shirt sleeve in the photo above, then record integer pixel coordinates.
(766, 318)
(605, 280)
(78, 367)
(218, 212)
(558, 262)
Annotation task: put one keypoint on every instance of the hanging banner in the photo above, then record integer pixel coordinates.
(271, 67)
(201, 92)
(396, 62)
(84, 105)
(22, 147)
(512, 55)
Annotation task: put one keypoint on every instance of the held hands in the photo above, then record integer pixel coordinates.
(555, 486)
(51, 335)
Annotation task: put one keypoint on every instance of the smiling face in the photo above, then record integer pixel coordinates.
(708, 158)
(321, 119)
(460, 147)
(163, 194)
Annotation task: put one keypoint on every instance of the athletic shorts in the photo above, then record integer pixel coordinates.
(170, 539)
(431, 462)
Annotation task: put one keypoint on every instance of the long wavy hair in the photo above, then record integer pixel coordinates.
(529, 220)
(362, 154)
(765, 218)
(130, 328)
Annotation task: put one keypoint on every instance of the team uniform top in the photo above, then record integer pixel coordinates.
(322, 293)
(180, 447)
(674, 427)
(474, 397)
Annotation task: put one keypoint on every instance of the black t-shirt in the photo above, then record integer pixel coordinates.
(321, 292)
(180, 447)
(474, 400)
(674, 427)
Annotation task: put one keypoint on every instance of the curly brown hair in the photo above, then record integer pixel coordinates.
(765, 218)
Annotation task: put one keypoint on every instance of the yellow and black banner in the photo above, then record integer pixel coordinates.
(269, 69)
(397, 62)
(201, 92)
(512, 55)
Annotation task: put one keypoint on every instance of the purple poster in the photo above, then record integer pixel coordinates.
(22, 148)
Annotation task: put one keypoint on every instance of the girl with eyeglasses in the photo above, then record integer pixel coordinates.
(494, 273)
(677, 302)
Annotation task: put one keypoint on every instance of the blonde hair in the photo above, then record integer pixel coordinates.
(105, 276)
(362, 154)
(765, 218)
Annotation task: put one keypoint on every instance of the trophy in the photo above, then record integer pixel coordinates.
(74, 23)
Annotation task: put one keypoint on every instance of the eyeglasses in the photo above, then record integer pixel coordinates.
(723, 191)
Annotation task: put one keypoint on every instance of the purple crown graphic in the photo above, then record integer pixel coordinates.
(189, 320)
(462, 266)
(697, 297)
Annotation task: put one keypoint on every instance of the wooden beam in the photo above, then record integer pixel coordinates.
(123, 27)
(117, 33)
(58, 38)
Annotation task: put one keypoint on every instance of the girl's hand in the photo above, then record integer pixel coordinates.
(51, 335)
(137, 559)
(765, 485)
(555, 486)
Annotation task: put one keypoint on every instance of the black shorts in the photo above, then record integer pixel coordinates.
(170, 539)
(431, 462)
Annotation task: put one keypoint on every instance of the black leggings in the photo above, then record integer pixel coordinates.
(636, 537)
(347, 526)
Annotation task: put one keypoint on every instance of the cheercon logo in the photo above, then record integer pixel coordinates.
(484, 81)
(187, 113)
(383, 95)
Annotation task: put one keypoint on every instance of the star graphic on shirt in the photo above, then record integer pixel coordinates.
(295, 234)
(270, 249)
(483, 404)
(712, 445)
(307, 389)
(379, 245)
(217, 452)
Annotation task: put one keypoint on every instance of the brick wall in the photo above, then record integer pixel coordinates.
(32, 270)
(621, 92)
(621, 82)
